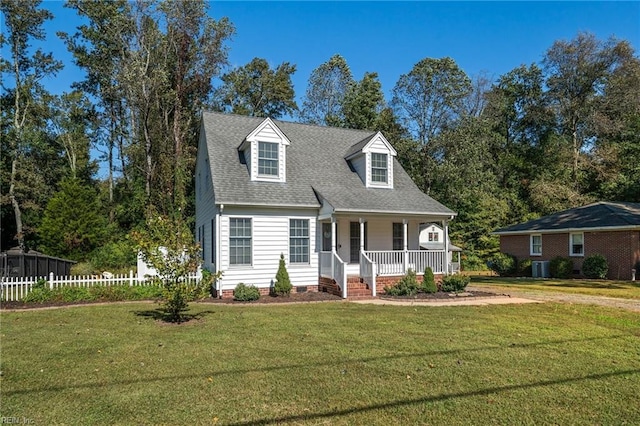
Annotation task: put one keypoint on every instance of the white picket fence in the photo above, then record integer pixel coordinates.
(15, 289)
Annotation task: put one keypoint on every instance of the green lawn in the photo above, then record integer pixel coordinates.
(328, 363)
(609, 288)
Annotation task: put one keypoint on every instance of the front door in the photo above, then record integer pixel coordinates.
(354, 240)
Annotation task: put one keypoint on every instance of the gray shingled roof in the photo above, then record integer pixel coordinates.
(315, 165)
(596, 215)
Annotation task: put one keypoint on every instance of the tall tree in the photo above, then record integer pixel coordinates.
(363, 103)
(576, 73)
(257, 90)
(24, 70)
(328, 86)
(430, 97)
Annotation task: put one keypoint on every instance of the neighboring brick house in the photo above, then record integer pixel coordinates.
(611, 229)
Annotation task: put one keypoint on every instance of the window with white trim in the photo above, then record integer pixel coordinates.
(535, 245)
(298, 240)
(268, 158)
(239, 241)
(576, 244)
(379, 167)
(432, 237)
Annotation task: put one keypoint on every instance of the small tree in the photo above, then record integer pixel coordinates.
(429, 281)
(282, 286)
(168, 246)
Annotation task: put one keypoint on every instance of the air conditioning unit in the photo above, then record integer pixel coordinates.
(540, 269)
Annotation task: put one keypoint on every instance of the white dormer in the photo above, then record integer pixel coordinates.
(265, 153)
(374, 161)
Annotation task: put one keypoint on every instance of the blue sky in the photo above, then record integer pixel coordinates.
(390, 37)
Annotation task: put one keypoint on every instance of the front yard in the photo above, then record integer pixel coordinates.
(607, 288)
(327, 363)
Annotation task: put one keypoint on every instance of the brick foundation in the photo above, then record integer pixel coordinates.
(265, 291)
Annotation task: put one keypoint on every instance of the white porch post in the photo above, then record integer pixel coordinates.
(334, 248)
(362, 235)
(445, 227)
(405, 246)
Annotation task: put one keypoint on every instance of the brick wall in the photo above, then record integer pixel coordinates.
(265, 291)
(620, 248)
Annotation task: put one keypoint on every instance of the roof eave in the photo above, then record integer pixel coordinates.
(564, 230)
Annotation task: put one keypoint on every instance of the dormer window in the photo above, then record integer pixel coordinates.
(264, 152)
(268, 158)
(379, 167)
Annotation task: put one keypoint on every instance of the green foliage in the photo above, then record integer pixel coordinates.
(595, 266)
(257, 90)
(561, 267)
(38, 295)
(503, 264)
(524, 267)
(455, 283)
(407, 286)
(429, 281)
(471, 261)
(282, 286)
(115, 293)
(168, 246)
(82, 268)
(114, 255)
(246, 293)
(73, 223)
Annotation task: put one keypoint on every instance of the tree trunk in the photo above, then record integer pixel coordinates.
(16, 206)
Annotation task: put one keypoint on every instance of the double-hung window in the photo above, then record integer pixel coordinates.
(535, 245)
(433, 237)
(576, 244)
(398, 236)
(298, 240)
(240, 241)
(379, 167)
(268, 159)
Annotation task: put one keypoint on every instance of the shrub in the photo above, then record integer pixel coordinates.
(429, 281)
(105, 293)
(82, 268)
(282, 286)
(407, 286)
(561, 267)
(245, 293)
(595, 267)
(116, 255)
(455, 283)
(38, 295)
(472, 262)
(524, 268)
(503, 264)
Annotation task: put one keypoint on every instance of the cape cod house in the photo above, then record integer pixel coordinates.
(335, 202)
(611, 229)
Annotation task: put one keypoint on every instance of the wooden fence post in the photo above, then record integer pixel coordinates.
(51, 280)
(130, 278)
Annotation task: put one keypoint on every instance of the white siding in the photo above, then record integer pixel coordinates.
(205, 203)
(360, 166)
(251, 155)
(270, 237)
(268, 134)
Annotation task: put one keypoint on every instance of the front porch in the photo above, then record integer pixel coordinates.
(377, 251)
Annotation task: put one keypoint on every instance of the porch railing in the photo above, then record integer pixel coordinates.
(368, 272)
(398, 262)
(325, 264)
(340, 273)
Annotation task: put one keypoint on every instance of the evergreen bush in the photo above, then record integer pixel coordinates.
(429, 281)
(595, 266)
(455, 283)
(407, 286)
(524, 268)
(561, 267)
(503, 264)
(282, 286)
(246, 293)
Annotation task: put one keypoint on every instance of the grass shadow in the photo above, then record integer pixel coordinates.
(160, 314)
